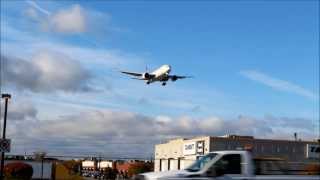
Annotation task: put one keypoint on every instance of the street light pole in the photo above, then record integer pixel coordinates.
(6, 97)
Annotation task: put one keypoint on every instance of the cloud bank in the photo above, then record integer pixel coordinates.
(127, 134)
(46, 71)
(21, 111)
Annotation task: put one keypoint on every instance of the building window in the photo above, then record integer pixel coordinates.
(278, 149)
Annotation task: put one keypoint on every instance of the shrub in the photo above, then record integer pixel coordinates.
(139, 167)
(18, 170)
(72, 166)
(110, 173)
(312, 169)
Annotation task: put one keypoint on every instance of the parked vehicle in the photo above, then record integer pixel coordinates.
(225, 165)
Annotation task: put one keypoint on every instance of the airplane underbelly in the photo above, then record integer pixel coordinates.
(163, 77)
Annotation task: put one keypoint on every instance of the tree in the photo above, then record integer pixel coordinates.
(312, 169)
(139, 167)
(72, 166)
(110, 173)
(18, 170)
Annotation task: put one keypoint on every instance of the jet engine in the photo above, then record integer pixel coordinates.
(146, 76)
(174, 78)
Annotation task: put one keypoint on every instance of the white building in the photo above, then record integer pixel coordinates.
(88, 164)
(105, 164)
(180, 153)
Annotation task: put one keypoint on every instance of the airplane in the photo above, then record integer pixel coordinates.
(162, 74)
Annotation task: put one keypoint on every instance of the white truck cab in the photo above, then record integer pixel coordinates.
(221, 165)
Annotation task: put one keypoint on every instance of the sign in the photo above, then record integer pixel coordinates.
(5, 145)
(200, 147)
(313, 151)
(189, 148)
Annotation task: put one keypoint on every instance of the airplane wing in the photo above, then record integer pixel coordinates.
(132, 73)
(138, 78)
(176, 77)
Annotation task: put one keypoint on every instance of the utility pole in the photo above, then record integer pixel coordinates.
(41, 168)
(6, 97)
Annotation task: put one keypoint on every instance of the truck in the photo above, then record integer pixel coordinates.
(229, 165)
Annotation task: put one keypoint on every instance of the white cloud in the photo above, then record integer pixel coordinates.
(71, 20)
(278, 84)
(68, 20)
(28, 43)
(122, 133)
(21, 110)
(47, 71)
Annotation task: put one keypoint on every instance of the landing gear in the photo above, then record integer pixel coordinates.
(163, 84)
(148, 82)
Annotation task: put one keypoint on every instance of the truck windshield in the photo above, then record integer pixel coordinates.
(199, 164)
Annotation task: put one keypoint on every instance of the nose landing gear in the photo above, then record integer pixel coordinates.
(163, 84)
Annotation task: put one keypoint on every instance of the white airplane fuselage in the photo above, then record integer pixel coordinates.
(160, 74)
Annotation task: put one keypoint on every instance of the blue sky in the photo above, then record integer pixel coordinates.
(258, 60)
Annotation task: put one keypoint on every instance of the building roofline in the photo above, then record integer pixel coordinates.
(260, 139)
(238, 137)
(183, 139)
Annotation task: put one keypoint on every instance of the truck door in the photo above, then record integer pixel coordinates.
(229, 164)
